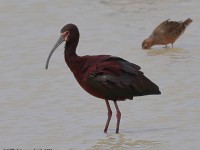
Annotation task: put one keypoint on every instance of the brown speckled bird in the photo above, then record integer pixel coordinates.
(167, 32)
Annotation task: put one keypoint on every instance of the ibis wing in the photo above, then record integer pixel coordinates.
(117, 79)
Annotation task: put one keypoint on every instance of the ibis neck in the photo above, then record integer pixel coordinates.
(70, 53)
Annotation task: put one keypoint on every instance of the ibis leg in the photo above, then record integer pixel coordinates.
(118, 115)
(109, 116)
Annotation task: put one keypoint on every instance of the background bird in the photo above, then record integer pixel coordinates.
(165, 33)
(104, 76)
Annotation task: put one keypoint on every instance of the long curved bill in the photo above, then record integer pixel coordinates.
(60, 40)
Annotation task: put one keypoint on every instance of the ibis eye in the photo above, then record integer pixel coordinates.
(65, 35)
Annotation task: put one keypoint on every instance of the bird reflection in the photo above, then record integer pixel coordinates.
(164, 51)
(176, 55)
(118, 142)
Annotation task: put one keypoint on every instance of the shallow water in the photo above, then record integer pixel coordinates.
(48, 109)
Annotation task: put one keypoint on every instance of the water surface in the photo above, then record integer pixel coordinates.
(48, 109)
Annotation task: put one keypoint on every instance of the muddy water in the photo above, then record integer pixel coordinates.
(47, 109)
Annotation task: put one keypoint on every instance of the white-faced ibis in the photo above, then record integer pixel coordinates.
(104, 76)
(165, 33)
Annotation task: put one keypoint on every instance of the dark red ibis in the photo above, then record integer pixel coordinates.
(104, 76)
